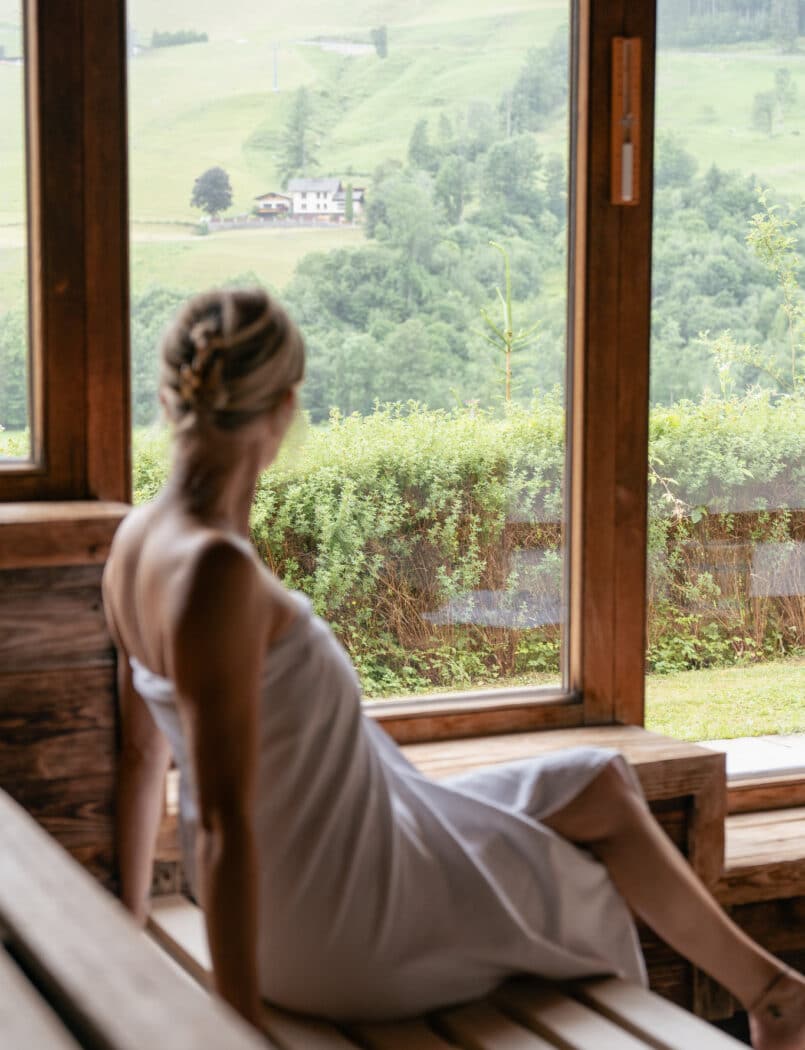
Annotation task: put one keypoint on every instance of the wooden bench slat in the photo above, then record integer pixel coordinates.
(556, 1016)
(524, 1014)
(107, 976)
(479, 1026)
(292, 1032)
(26, 1020)
(177, 925)
(661, 1024)
(402, 1035)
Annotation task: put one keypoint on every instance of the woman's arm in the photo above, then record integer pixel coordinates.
(142, 767)
(140, 791)
(217, 658)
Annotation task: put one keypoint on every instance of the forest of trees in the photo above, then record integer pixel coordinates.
(702, 23)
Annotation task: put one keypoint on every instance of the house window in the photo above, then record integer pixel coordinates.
(75, 314)
(15, 360)
(435, 456)
(441, 508)
(726, 581)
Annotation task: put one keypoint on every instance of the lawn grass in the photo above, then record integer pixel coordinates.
(715, 704)
(189, 262)
(728, 702)
(175, 256)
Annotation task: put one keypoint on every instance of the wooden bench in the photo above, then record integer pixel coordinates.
(75, 971)
(684, 783)
(524, 1014)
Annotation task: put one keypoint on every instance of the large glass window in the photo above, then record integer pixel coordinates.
(15, 421)
(727, 490)
(402, 187)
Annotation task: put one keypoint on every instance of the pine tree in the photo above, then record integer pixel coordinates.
(297, 157)
(349, 204)
(785, 24)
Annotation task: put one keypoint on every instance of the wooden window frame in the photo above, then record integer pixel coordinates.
(609, 318)
(78, 222)
(75, 93)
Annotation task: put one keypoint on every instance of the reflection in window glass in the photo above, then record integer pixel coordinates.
(14, 361)
(402, 186)
(727, 491)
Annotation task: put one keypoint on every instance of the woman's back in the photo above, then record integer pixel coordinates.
(152, 571)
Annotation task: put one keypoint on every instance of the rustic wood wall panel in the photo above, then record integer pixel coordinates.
(57, 707)
(52, 618)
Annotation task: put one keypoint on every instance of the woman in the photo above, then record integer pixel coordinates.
(334, 878)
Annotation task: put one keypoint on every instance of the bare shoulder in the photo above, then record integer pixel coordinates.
(217, 617)
(120, 567)
(127, 542)
(217, 568)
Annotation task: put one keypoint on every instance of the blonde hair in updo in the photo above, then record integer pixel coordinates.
(228, 358)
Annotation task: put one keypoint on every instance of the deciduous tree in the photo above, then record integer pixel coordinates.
(212, 192)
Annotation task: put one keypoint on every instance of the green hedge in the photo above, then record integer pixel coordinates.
(389, 520)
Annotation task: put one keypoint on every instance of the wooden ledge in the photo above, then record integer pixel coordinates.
(650, 754)
(78, 532)
(766, 793)
(765, 857)
(666, 768)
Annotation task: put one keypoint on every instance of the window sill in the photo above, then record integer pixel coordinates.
(35, 535)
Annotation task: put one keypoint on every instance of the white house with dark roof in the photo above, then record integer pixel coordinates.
(319, 199)
(315, 196)
(323, 198)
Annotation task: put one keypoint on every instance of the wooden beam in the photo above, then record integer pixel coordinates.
(77, 250)
(610, 325)
(107, 252)
(78, 532)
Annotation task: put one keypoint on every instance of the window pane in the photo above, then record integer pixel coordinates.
(727, 493)
(14, 360)
(383, 180)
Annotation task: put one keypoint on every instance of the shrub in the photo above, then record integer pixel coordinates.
(177, 38)
(400, 524)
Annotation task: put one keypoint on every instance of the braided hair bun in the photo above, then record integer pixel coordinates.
(229, 357)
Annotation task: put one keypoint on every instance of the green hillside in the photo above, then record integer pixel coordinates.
(205, 104)
(195, 106)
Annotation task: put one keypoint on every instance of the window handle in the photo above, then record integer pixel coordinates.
(625, 137)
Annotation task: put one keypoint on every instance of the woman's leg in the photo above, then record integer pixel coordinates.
(613, 822)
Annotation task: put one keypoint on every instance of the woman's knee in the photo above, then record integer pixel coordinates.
(608, 806)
